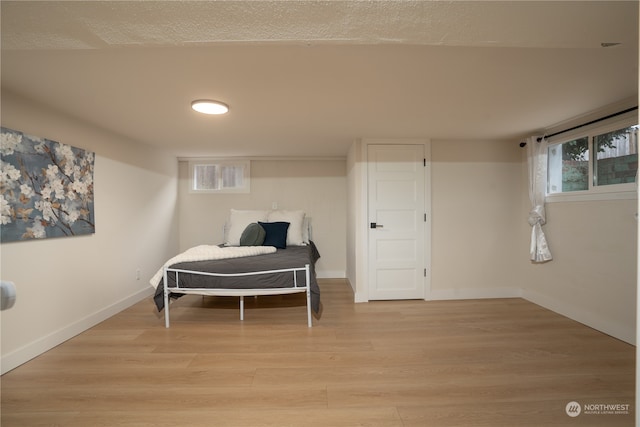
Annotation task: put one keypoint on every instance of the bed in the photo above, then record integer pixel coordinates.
(278, 267)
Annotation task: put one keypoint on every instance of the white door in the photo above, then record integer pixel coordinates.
(396, 194)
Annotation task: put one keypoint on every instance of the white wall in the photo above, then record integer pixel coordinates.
(476, 213)
(592, 278)
(67, 285)
(319, 187)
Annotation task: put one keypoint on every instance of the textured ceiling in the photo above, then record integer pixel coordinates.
(97, 25)
(307, 77)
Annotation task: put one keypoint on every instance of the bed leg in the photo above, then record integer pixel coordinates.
(308, 279)
(166, 301)
(241, 307)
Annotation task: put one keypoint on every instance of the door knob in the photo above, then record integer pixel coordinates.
(375, 225)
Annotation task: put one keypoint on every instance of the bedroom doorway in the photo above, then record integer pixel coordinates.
(397, 219)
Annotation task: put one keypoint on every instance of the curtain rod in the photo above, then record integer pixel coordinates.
(619, 113)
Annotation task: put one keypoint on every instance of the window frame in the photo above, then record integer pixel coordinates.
(244, 163)
(594, 192)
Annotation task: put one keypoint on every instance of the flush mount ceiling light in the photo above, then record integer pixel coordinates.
(208, 106)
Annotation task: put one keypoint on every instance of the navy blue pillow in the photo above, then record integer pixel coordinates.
(276, 234)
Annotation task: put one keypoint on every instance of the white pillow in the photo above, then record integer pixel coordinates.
(306, 230)
(238, 221)
(295, 220)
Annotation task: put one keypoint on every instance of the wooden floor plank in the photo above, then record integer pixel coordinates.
(371, 417)
(496, 362)
(150, 397)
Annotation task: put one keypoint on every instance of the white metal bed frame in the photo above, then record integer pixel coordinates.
(296, 288)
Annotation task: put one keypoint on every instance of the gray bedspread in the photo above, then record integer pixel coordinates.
(291, 257)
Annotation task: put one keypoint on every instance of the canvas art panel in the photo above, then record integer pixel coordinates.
(46, 188)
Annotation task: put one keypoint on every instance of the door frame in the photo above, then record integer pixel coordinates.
(363, 218)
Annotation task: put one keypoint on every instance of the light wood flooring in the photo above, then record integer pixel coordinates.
(492, 363)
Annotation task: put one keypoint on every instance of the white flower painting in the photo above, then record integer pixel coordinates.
(46, 188)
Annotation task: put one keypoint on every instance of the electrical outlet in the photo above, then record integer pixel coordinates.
(137, 274)
(274, 205)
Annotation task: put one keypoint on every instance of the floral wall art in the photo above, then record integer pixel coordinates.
(46, 188)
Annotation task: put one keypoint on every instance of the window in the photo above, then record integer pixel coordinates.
(568, 166)
(616, 160)
(599, 163)
(219, 176)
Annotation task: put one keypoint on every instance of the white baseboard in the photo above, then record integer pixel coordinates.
(359, 297)
(459, 294)
(27, 352)
(331, 274)
(588, 318)
(474, 293)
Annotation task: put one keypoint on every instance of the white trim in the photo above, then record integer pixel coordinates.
(331, 274)
(362, 243)
(474, 293)
(588, 196)
(29, 351)
(359, 297)
(428, 234)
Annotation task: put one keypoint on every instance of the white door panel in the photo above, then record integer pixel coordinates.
(396, 210)
(400, 220)
(396, 281)
(396, 193)
(394, 251)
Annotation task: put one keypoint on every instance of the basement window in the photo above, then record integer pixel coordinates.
(599, 163)
(219, 176)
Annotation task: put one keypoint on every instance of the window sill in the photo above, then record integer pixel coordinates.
(584, 196)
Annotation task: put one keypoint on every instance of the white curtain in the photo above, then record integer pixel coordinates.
(537, 161)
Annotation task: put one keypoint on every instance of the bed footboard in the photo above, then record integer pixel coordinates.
(295, 288)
